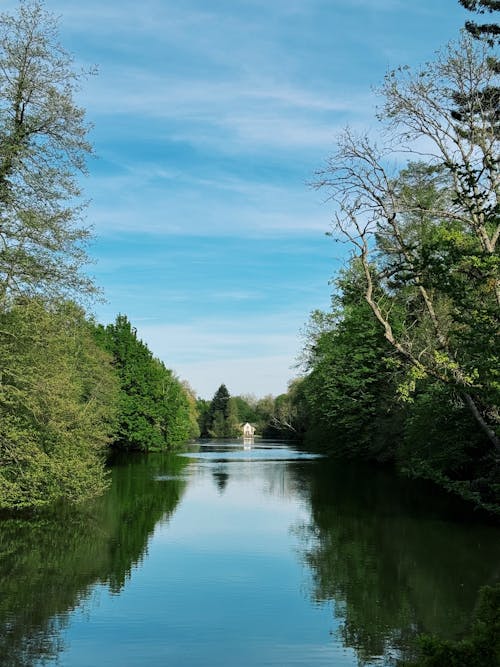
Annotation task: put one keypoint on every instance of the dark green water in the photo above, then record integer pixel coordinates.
(232, 556)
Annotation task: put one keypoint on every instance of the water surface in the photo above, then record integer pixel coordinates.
(240, 554)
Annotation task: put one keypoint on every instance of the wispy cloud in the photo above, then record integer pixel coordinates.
(246, 354)
(210, 118)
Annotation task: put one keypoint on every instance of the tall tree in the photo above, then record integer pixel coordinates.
(426, 237)
(375, 208)
(222, 420)
(43, 148)
(350, 389)
(154, 409)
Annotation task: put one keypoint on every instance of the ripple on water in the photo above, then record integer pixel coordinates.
(242, 453)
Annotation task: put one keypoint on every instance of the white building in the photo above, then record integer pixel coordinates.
(248, 430)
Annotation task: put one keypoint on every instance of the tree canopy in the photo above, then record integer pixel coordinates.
(43, 147)
(410, 349)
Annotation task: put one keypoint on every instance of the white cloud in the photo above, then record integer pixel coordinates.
(189, 205)
(254, 355)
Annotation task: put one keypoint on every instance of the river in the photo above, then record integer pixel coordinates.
(250, 555)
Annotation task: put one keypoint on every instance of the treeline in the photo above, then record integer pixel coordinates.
(71, 389)
(225, 415)
(68, 388)
(155, 410)
(404, 367)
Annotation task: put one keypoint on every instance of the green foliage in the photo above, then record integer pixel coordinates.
(489, 32)
(219, 418)
(441, 442)
(224, 416)
(246, 406)
(203, 411)
(43, 146)
(155, 410)
(350, 388)
(405, 367)
(194, 428)
(480, 648)
(58, 396)
(262, 414)
(290, 413)
(61, 401)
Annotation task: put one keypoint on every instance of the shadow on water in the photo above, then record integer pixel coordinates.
(49, 563)
(392, 556)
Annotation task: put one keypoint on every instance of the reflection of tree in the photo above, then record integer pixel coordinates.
(48, 564)
(221, 478)
(393, 566)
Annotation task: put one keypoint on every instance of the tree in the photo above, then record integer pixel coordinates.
(58, 400)
(290, 414)
(154, 407)
(349, 388)
(426, 239)
(379, 215)
(203, 411)
(220, 419)
(488, 97)
(218, 413)
(246, 407)
(232, 426)
(194, 428)
(43, 147)
(220, 401)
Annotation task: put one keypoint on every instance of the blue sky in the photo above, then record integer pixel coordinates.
(210, 118)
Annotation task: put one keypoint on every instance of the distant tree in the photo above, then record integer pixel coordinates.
(218, 425)
(220, 401)
(203, 411)
(246, 408)
(290, 414)
(193, 410)
(222, 418)
(265, 412)
(218, 413)
(232, 427)
(43, 147)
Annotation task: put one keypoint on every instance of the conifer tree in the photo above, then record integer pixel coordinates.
(222, 417)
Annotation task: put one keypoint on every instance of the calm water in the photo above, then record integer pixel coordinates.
(233, 556)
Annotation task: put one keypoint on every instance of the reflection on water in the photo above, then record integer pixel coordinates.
(394, 558)
(49, 564)
(228, 555)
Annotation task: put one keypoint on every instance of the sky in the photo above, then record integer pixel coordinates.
(210, 119)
